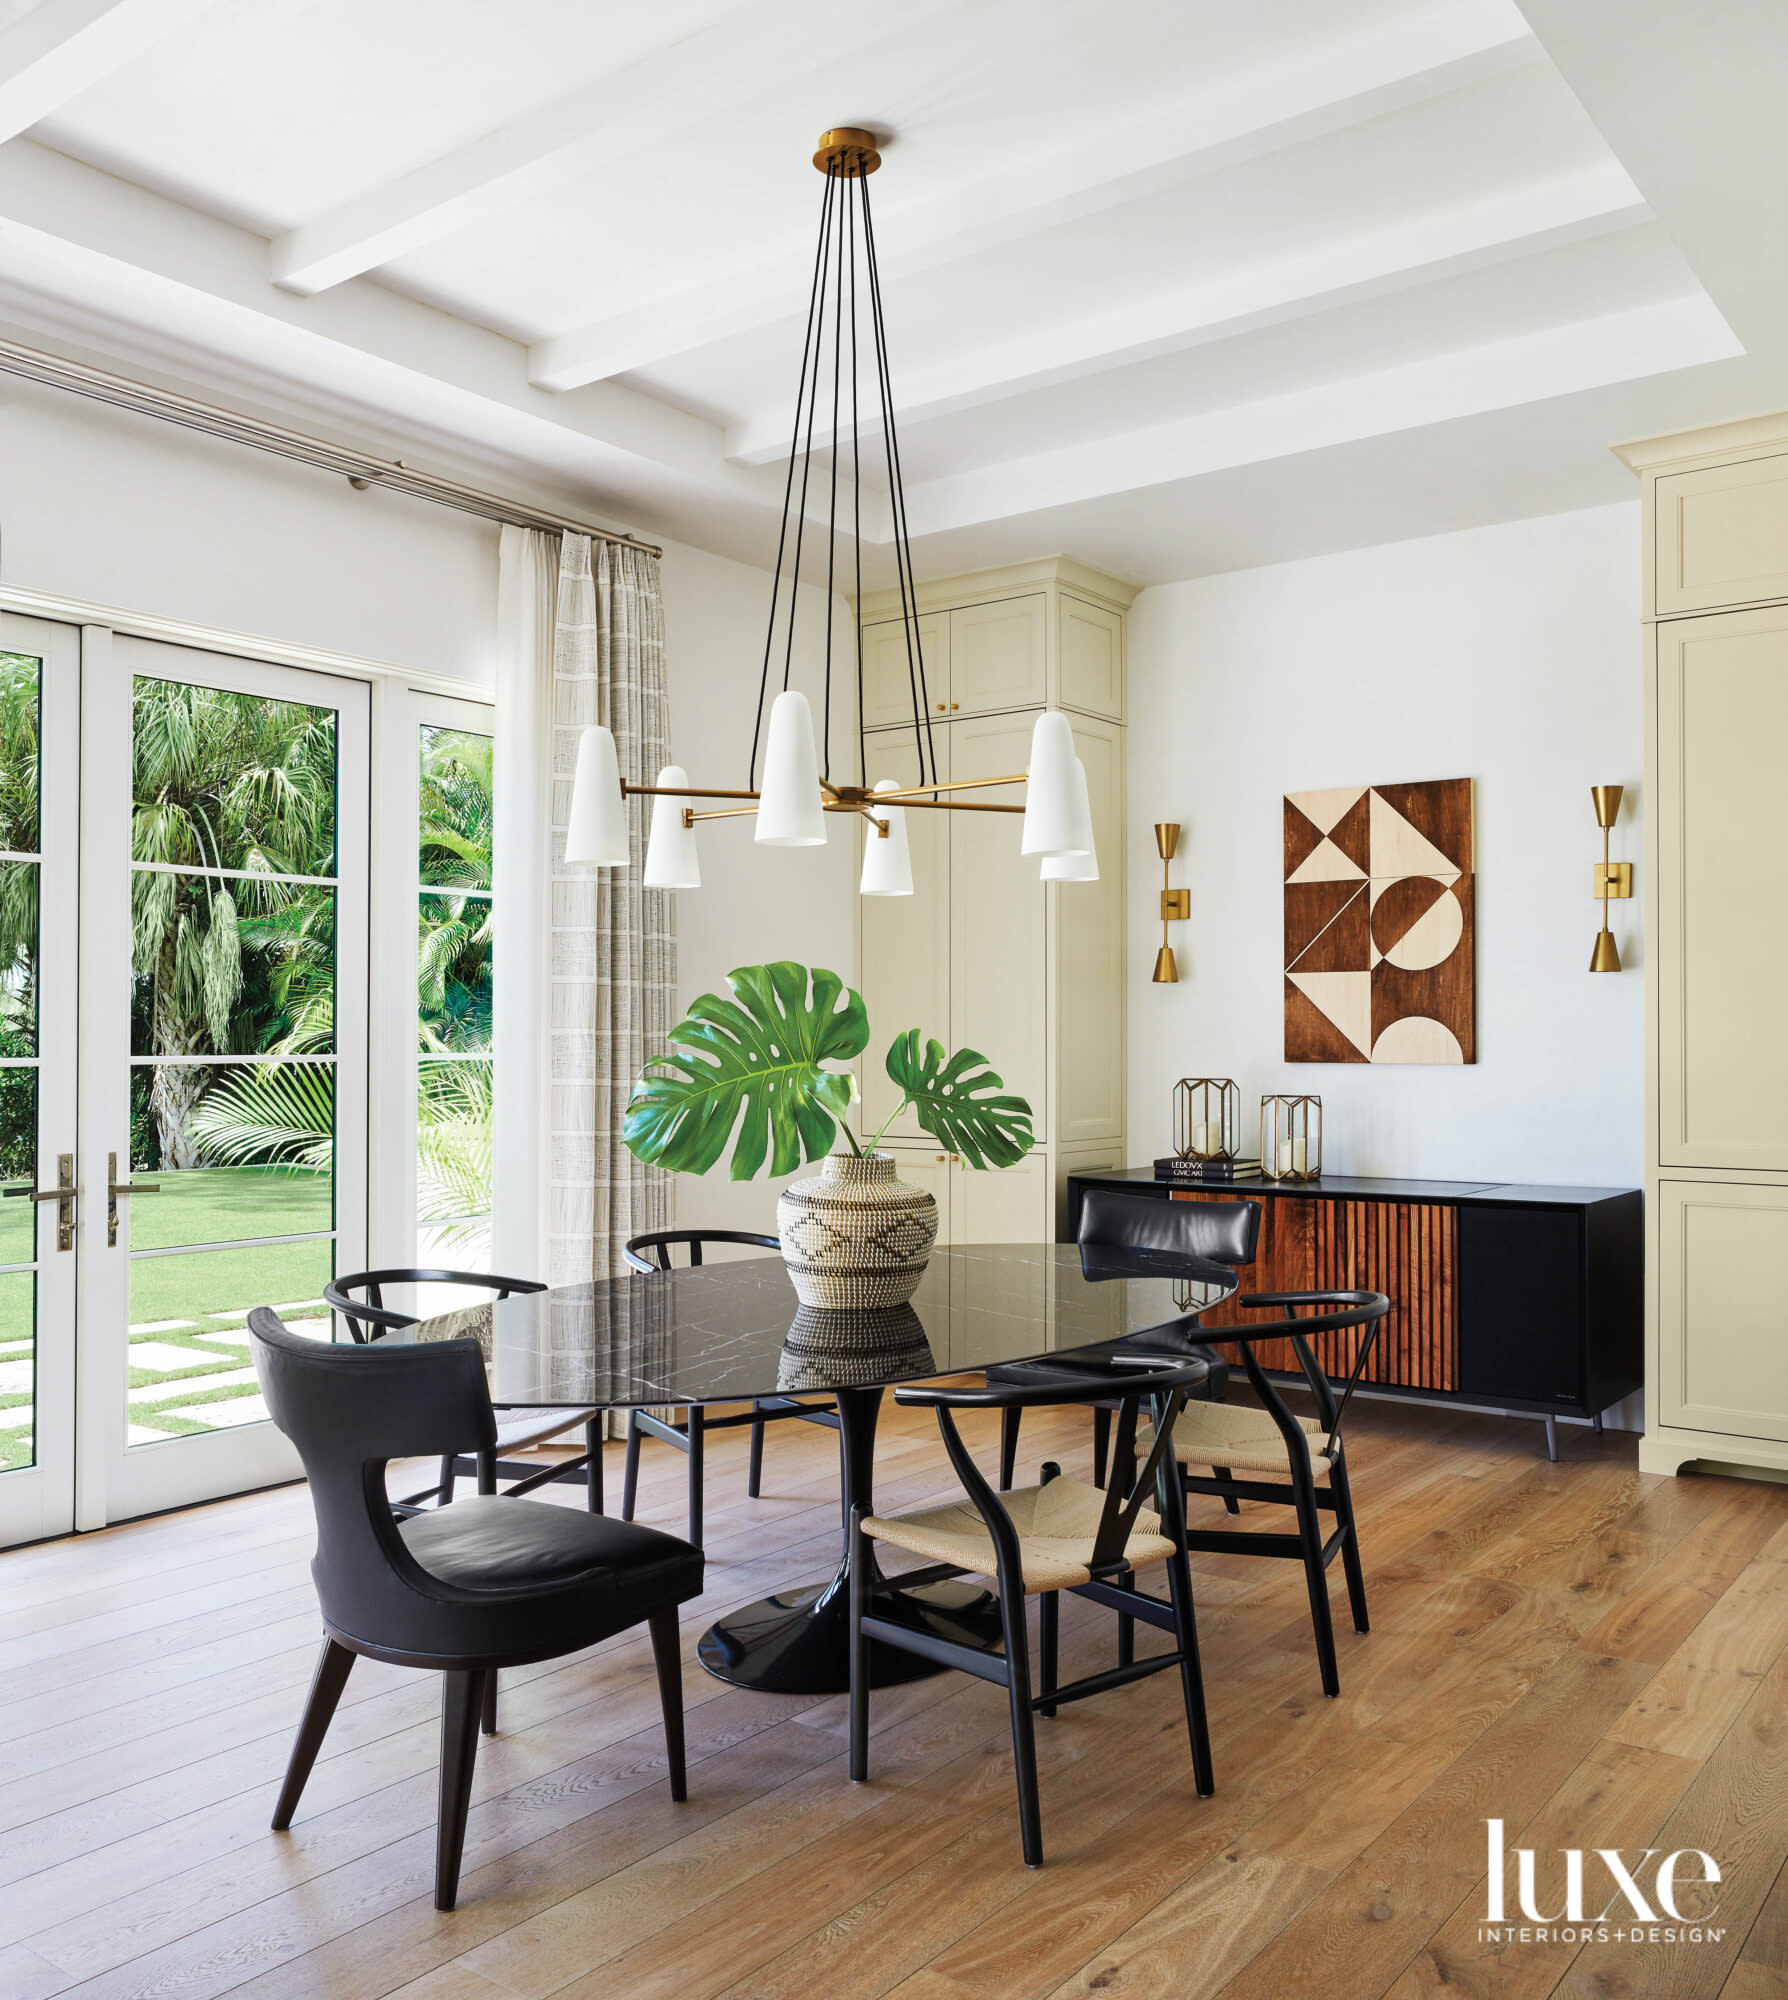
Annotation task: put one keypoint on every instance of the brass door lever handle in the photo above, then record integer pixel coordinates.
(114, 1188)
(64, 1194)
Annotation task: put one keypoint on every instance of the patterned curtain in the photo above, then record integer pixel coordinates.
(613, 948)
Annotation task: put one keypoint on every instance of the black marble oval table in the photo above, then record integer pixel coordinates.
(733, 1332)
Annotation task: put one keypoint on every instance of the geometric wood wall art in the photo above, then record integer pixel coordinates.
(1380, 929)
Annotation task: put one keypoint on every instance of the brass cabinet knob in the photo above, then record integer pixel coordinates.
(940, 708)
(954, 706)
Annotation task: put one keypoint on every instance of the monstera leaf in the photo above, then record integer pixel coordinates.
(759, 1055)
(950, 1096)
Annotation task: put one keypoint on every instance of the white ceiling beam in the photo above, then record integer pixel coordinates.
(1520, 222)
(1505, 374)
(641, 112)
(1321, 88)
(163, 279)
(63, 47)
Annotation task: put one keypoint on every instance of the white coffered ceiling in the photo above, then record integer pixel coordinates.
(1171, 287)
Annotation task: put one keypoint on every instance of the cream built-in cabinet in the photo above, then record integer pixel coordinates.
(983, 954)
(1715, 515)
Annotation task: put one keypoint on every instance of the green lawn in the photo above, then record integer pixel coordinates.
(209, 1290)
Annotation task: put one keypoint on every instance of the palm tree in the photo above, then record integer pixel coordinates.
(224, 781)
(454, 960)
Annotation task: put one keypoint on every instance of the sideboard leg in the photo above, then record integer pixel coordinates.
(1552, 1438)
(1595, 1423)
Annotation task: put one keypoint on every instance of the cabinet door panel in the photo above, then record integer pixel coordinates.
(998, 921)
(1722, 1331)
(1002, 1204)
(1090, 940)
(903, 942)
(998, 657)
(1722, 536)
(890, 667)
(1092, 658)
(1722, 952)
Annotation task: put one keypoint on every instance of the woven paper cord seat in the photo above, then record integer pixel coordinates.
(1055, 1523)
(1235, 1435)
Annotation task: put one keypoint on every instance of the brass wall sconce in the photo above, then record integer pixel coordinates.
(1207, 1117)
(1176, 904)
(1613, 879)
(1291, 1138)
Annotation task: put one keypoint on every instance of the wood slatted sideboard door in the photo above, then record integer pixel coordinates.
(1407, 1250)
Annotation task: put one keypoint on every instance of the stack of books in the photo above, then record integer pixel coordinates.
(1214, 1171)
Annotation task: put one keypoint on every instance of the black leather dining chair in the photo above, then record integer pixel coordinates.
(651, 1254)
(1212, 1232)
(1059, 1535)
(461, 1591)
(517, 1430)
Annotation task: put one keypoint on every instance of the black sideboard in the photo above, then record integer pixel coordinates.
(1527, 1298)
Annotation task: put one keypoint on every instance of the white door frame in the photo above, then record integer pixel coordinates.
(39, 1500)
(113, 1481)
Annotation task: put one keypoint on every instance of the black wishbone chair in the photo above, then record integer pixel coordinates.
(688, 1437)
(517, 1430)
(1061, 1534)
(1213, 1232)
(1236, 1438)
(462, 1590)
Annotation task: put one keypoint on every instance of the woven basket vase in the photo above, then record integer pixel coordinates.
(853, 1236)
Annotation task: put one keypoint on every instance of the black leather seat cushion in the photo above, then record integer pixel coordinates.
(501, 1545)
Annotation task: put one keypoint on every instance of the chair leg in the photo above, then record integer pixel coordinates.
(630, 1471)
(1024, 1731)
(1310, 1533)
(1179, 1589)
(1231, 1504)
(326, 1685)
(1101, 1444)
(667, 1655)
(695, 1475)
(487, 1708)
(1049, 1623)
(1350, 1548)
(487, 1472)
(857, 1557)
(446, 1480)
(1126, 1630)
(462, 1702)
(593, 1464)
(1010, 1419)
(754, 1475)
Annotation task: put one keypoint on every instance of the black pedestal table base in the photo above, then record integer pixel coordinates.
(796, 1641)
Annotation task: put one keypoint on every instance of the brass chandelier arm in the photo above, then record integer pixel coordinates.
(919, 792)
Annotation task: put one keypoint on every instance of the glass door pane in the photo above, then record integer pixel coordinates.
(39, 695)
(228, 1053)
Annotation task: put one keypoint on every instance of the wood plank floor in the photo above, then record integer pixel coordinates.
(1597, 1658)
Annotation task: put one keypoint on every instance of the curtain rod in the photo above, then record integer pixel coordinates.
(359, 467)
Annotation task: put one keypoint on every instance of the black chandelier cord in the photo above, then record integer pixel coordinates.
(832, 515)
(763, 684)
(794, 586)
(857, 504)
(903, 549)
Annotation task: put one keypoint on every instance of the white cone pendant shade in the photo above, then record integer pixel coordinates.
(597, 828)
(887, 863)
(790, 812)
(1056, 819)
(1076, 867)
(671, 859)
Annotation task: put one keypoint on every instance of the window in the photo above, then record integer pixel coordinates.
(453, 985)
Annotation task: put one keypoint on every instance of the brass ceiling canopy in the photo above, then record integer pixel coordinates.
(849, 151)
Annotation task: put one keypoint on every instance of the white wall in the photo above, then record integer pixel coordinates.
(755, 903)
(133, 513)
(1510, 655)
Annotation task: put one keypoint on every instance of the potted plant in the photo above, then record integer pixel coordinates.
(854, 1235)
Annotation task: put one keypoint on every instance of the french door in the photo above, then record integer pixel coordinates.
(185, 1050)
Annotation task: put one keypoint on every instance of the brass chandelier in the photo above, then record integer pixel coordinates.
(798, 786)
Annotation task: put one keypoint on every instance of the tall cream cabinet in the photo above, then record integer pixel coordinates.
(982, 954)
(1715, 514)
